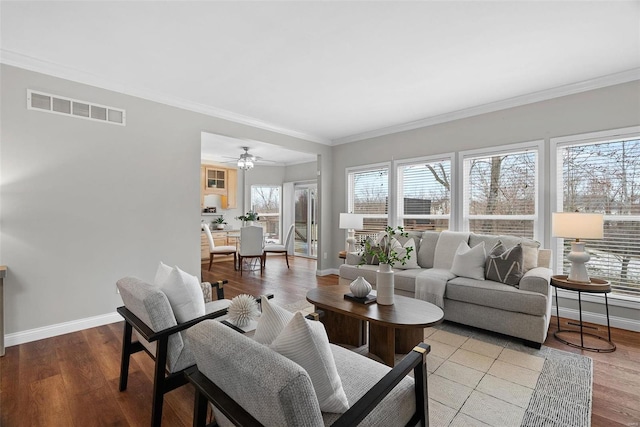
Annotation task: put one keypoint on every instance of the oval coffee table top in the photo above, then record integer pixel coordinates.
(404, 313)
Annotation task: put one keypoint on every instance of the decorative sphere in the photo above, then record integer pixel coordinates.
(243, 309)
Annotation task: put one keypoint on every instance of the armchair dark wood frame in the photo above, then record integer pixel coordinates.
(416, 360)
(162, 383)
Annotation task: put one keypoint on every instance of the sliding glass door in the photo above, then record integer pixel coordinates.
(306, 230)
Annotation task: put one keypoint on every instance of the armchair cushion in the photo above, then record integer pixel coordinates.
(185, 295)
(306, 343)
(272, 321)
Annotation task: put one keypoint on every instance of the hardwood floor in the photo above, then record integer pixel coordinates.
(72, 379)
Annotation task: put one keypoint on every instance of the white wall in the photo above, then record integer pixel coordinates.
(86, 203)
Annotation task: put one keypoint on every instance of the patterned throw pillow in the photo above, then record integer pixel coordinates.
(505, 265)
(373, 245)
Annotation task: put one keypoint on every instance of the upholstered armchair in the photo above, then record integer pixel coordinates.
(147, 311)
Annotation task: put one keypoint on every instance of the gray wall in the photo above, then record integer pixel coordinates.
(608, 108)
(301, 172)
(86, 203)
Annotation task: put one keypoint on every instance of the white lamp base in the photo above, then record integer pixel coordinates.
(351, 240)
(578, 257)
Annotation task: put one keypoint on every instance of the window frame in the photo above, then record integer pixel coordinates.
(556, 244)
(462, 210)
(261, 214)
(398, 196)
(390, 197)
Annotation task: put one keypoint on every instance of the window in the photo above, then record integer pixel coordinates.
(603, 176)
(501, 191)
(424, 194)
(265, 200)
(368, 194)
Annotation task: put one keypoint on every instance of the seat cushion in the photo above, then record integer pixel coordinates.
(358, 375)
(497, 295)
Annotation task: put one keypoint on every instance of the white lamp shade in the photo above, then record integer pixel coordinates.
(577, 225)
(351, 221)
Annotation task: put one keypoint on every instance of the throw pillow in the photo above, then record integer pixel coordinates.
(374, 245)
(505, 265)
(412, 261)
(184, 294)
(530, 257)
(271, 322)
(306, 343)
(469, 262)
(162, 274)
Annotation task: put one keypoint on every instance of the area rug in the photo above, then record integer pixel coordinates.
(476, 378)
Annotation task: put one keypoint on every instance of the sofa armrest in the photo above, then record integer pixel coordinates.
(353, 258)
(536, 280)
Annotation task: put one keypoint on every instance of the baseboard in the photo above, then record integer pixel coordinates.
(60, 329)
(599, 319)
(327, 272)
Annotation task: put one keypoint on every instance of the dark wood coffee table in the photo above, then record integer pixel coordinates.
(393, 328)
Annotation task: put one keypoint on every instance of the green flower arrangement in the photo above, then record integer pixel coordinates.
(249, 216)
(383, 251)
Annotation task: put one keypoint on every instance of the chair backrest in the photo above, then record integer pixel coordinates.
(281, 392)
(207, 231)
(251, 241)
(289, 234)
(151, 306)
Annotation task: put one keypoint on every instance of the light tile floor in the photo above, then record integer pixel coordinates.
(475, 382)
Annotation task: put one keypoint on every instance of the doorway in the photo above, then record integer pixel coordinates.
(306, 230)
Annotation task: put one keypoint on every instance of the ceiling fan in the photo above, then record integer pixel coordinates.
(246, 160)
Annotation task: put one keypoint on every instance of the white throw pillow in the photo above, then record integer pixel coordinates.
(184, 294)
(162, 274)
(306, 343)
(469, 262)
(271, 322)
(412, 262)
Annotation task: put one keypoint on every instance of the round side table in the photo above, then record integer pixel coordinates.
(597, 286)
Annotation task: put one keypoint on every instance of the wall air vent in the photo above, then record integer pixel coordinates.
(72, 107)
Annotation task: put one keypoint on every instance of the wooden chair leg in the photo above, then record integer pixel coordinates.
(240, 264)
(234, 262)
(158, 382)
(126, 356)
(210, 261)
(199, 410)
(286, 256)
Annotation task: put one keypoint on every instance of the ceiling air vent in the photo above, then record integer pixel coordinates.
(75, 108)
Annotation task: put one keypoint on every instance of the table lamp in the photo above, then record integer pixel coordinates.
(351, 222)
(577, 225)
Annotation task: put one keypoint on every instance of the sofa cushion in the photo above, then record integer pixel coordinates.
(306, 343)
(359, 374)
(401, 249)
(496, 295)
(427, 248)
(530, 247)
(406, 279)
(469, 262)
(446, 247)
(505, 265)
(412, 234)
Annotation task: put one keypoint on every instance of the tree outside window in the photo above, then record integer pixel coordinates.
(265, 200)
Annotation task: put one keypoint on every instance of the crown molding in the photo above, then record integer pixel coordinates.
(30, 63)
(570, 89)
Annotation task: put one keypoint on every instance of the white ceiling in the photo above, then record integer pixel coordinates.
(331, 72)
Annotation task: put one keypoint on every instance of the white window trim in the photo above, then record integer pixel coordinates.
(365, 168)
(425, 159)
(555, 243)
(462, 209)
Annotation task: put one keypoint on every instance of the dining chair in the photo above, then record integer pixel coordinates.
(220, 250)
(280, 249)
(251, 245)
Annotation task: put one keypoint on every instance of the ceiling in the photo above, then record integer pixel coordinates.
(330, 72)
(224, 149)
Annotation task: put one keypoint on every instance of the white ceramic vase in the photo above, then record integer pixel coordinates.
(360, 288)
(384, 284)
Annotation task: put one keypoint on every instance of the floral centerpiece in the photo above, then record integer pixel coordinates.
(249, 217)
(384, 251)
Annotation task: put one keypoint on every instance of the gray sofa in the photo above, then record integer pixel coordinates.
(521, 311)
